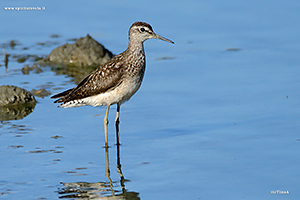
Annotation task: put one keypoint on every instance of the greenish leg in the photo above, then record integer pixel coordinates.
(105, 121)
(117, 122)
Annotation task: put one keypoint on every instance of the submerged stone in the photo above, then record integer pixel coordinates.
(40, 93)
(26, 69)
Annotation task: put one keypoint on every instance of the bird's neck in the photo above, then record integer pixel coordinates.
(135, 48)
(135, 54)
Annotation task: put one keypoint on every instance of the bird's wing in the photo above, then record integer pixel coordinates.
(62, 94)
(99, 81)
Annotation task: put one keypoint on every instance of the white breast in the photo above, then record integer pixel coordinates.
(120, 94)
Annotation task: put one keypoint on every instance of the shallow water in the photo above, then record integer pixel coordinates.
(218, 119)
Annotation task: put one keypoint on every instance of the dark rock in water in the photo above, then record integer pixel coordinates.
(26, 69)
(12, 95)
(40, 93)
(15, 103)
(85, 51)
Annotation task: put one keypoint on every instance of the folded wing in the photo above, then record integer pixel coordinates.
(101, 80)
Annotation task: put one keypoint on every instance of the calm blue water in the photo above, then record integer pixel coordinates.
(210, 123)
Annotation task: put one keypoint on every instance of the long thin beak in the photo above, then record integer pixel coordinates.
(162, 38)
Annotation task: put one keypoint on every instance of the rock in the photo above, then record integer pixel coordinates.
(26, 69)
(21, 58)
(15, 103)
(84, 52)
(40, 93)
(12, 95)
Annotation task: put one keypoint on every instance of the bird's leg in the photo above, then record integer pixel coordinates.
(117, 122)
(122, 179)
(107, 172)
(105, 121)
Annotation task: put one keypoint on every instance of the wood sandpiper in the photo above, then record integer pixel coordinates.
(116, 81)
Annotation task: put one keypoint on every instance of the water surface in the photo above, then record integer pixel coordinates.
(218, 119)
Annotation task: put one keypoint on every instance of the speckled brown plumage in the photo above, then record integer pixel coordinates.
(104, 78)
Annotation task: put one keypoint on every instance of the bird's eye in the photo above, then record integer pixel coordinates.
(142, 29)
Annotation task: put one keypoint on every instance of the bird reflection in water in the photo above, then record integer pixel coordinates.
(99, 190)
